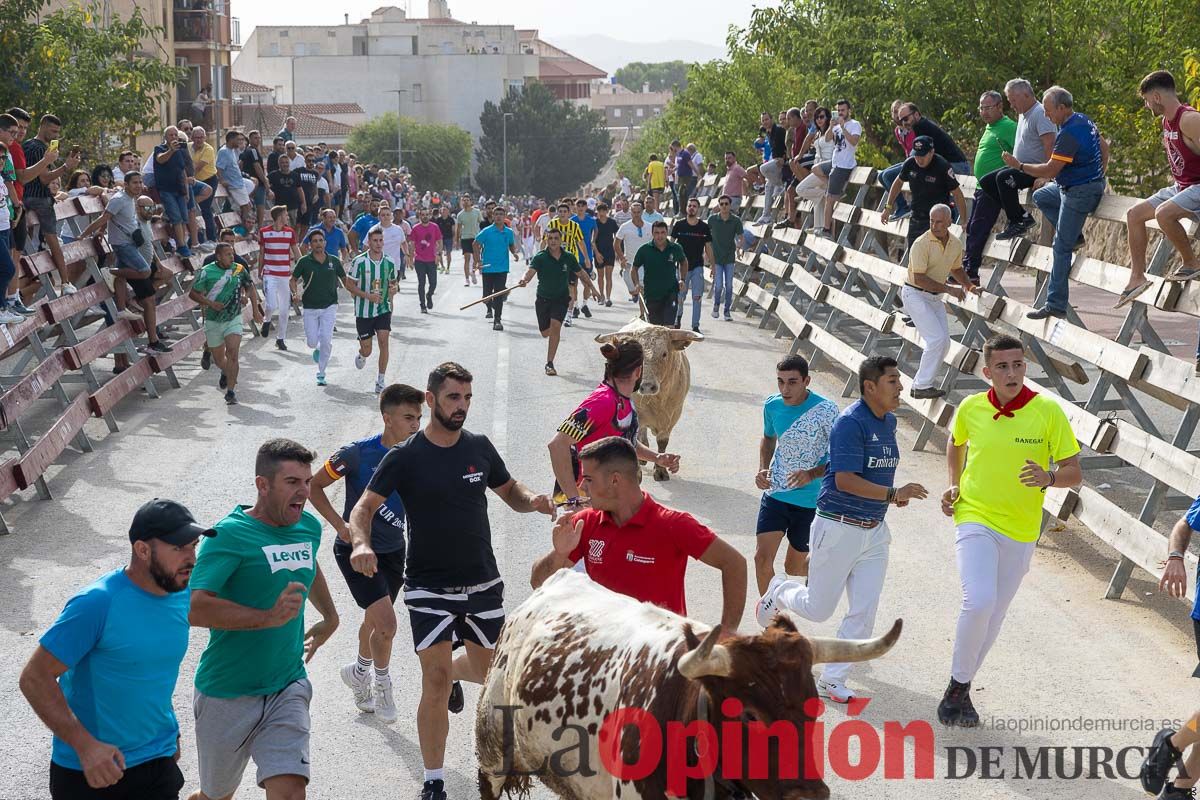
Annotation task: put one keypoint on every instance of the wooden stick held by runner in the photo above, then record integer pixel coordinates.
(492, 296)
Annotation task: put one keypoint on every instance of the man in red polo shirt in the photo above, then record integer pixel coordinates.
(632, 545)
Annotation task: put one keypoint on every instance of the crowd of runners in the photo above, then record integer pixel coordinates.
(415, 520)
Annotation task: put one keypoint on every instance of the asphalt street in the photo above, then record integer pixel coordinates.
(1084, 671)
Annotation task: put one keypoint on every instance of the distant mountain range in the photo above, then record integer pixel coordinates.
(611, 54)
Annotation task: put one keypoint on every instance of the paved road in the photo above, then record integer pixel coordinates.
(1065, 655)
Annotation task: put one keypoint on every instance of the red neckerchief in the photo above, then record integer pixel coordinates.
(1016, 404)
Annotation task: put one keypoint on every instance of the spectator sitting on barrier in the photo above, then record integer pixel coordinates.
(1034, 143)
(229, 175)
(998, 138)
(80, 184)
(1177, 202)
(932, 258)
(904, 137)
(1077, 165)
(911, 118)
(930, 180)
(8, 269)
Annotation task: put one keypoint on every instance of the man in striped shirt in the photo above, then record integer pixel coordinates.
(278, 248)
(572, 242)
(375, 274)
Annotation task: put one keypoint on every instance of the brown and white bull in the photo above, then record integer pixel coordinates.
(574, 653)
(666, 379)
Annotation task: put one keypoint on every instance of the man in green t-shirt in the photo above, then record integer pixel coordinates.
(726, 228)
(663, 270)
(249, 587)
(218, 288)
(467, 225)
(314, 285)
(555, 268)
(998, 138)
(374, 277)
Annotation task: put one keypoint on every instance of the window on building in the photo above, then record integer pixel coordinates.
(283, 34)
(220, 79)
(416, 93)
(414, 45)
(299, 49)
(332, 34)
(359, 45)
(641, 112)
(616, 113)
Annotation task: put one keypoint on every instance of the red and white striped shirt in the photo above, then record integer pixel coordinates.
(277, 250)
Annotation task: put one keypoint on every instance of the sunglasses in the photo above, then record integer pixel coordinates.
(573, 502)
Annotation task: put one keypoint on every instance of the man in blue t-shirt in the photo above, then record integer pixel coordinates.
(850, 537)
(791, 462)
(400, 406)
(361, 227)
(492, 247)
(1076, 169)
(587, 225)
(103, 675)
(171, 163)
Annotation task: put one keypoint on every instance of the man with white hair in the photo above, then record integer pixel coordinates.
(1035, 143)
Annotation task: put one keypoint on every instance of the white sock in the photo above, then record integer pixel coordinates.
(434, 774)
(380, 378)
(361, 666)
(381, 674)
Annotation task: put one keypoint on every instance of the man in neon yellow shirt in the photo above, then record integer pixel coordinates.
(995, 497)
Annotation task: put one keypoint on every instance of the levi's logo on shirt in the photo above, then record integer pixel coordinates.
(289, 556)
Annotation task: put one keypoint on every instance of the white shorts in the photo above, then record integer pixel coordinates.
(238, 195)
(1188, 199)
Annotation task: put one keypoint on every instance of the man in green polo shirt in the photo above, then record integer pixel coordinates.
(726, 227)
(554, 268)
(314, 283)
(661, 267)
(998, 138)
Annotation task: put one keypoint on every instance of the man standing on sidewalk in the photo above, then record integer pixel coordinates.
(850, 537)
(493, 246)
(249, 586)
(999, 459)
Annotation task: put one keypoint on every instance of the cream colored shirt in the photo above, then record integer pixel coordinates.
(931, 258)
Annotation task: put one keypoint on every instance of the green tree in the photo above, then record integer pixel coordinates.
(95, 77)
(436, 155)
(554, 146)
(662, 76)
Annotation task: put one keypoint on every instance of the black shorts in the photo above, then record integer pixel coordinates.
(786, 175)
(447, 246)
(548, 309)
(144, 287)
(794, 521)
(20, 235)
(367, 326)
(467, 245)
(469, 613)
(387, 581)
(156, 779)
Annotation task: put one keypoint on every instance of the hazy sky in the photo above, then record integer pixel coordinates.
(700, 20)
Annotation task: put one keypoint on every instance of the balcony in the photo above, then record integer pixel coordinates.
(201, 22)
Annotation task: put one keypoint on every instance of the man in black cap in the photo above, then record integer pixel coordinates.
(103, 675)
(930, 180)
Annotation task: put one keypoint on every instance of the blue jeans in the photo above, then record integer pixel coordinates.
(695, 285)
(1066, 209)
(7, 269)
(887, 178)
(723, 287)
(175, 207)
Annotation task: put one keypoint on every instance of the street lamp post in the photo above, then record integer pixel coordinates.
(504, 157)
(399, 134)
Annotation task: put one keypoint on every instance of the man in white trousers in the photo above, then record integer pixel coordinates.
(279, 249)
(933, 257)
(849, 537)
(995, 497)
(314, 285)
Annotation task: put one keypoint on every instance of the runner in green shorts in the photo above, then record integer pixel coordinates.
(218, 289)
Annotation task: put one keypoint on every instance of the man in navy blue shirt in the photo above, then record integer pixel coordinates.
(170, 178)
(400, 406)
(587, 226)
(1076, 167)
(849, 537)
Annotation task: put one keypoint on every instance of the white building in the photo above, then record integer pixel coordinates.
(445, 68)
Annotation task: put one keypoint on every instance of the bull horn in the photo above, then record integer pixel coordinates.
(690, 336)
(602, 338)
(709, 658)
(826, 651)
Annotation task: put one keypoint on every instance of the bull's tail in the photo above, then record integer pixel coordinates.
(514, 786)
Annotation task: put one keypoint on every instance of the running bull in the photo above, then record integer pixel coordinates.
(574, 653)
(666, 378)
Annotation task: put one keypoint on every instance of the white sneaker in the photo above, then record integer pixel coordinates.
(361, 688)
(385, 705)
(715, 313)
(378, 385)
(10, 317)
(766, 608)
(69, 288)
(129, 314)
(837, 692)
(360, 361)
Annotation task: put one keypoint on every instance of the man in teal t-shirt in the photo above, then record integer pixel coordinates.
(792, 458)
(249, 587)
(998, 138)
(493, 246)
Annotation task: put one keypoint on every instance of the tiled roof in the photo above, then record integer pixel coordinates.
(568, 67)
(308, 126)
(320, 109)
(246, 87)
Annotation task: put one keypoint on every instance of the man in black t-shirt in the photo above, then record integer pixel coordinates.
(286, 186)
(605, 254)
(308, 178)
(251, 163)
(911, 118)
(445, 223)
(930, 181)
(278, 148)
(695, 237)
(452, 586)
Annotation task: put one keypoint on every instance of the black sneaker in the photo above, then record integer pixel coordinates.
(280, 345)
(608, 303)
(575, 312)
(433, 790)
(1160, 758)
(424, 310)
(205, 360)
(696, 329)
(550, 370)
(160, 346)
(223, 382)
(1044, 312)
(456, 698)
(587, 312)
(429, 302)
(496, 326)
(230, 398)
(266, 329)
(955, 702)
(1014, 229)
(489, 314)
(1173, 792)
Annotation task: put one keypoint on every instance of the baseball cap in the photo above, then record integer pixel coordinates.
(166, 520)
(922, 146)
(591, 202)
